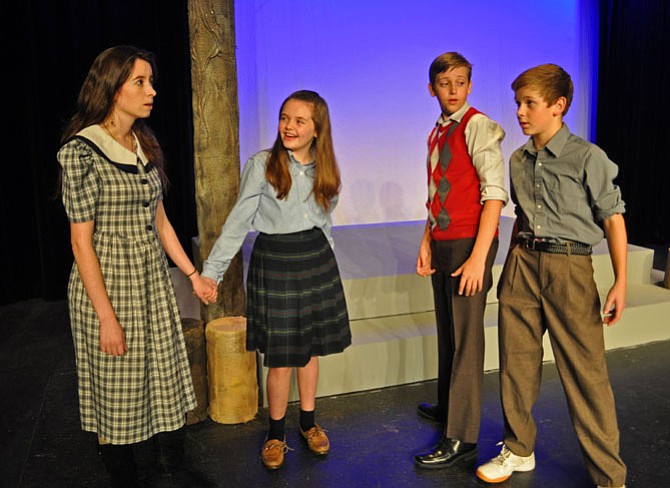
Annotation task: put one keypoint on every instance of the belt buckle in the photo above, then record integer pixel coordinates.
(529, 243)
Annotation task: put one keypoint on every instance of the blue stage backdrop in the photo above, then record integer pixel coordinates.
(370, 60)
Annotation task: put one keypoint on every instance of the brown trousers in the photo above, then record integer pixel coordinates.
(460, 338)
(541, 292)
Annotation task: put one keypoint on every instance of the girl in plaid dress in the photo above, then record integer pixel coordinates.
(296, 310)
(133, 374)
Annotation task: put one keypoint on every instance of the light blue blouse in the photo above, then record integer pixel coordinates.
(259, 208)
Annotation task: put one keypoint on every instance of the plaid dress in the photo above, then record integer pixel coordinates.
(124, 399)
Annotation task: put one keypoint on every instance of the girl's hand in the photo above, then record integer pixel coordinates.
(204, 288)
(112, 338)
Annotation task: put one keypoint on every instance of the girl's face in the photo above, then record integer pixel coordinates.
(297, 129)
(135, 98)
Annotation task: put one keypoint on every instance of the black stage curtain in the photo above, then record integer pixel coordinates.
(633, 105)
(47, 49)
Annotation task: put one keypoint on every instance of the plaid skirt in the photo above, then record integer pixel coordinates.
(296, 307)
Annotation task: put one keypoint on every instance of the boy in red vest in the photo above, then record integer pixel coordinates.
(564, 195)
(465, 196)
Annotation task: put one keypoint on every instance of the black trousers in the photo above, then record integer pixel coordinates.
(460, 338)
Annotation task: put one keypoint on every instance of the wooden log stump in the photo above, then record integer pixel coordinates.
(194, 337)
(233, 384)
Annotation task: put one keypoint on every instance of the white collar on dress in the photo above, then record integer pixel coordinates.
(111, 148)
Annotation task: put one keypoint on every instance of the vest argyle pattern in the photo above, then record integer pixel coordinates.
(454, 206)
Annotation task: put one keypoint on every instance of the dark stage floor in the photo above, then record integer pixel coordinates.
(374, 434)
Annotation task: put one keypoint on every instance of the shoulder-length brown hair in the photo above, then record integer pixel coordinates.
(109, 71)
(327, 181)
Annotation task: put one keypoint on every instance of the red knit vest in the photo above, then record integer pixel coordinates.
(462, 202)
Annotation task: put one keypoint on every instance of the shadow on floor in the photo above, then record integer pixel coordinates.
(374, 434)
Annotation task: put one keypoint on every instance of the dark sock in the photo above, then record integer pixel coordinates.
(277, 430)
(306, 420)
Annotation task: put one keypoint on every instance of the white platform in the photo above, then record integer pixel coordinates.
(391, 308)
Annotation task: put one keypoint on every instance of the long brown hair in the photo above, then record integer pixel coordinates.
(109, 71)
(327, 181)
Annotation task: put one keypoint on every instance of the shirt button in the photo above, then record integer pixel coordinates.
(149, 227)
(539, 206)
(539, 164)
(302, 173)
(539, 226)
(145, 204)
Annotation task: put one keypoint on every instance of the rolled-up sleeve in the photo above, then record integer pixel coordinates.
(604, 195)
(483, 137)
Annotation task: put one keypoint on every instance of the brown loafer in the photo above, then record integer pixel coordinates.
(273, 452)
(317, 440)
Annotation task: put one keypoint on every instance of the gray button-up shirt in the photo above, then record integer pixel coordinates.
(564, 190)
(259, 208)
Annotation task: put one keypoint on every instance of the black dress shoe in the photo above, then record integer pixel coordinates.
(431, 412)
(446, 453)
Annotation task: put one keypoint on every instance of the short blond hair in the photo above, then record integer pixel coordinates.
(550, 80)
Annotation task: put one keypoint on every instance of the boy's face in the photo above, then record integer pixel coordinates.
(536, 117)
(451, 88)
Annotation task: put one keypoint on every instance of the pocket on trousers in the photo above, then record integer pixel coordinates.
(508, 275)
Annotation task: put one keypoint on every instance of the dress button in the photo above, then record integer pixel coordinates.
(145, 204)
(149, 227)
(144, 181)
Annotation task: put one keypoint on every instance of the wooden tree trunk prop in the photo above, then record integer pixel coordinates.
(215, 138)
(194, 338)
(233, 386)
(217, 180)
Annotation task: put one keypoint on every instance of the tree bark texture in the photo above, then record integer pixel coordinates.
(215, 138)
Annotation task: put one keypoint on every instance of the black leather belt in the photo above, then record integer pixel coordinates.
(568, 248)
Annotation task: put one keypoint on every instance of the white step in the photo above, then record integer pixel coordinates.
(391, 308)
(388, 351)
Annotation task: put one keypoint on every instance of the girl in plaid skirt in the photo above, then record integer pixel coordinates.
(296, 309)
(133, 373)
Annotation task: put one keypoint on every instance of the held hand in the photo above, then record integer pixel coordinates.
(423, 261)
(472, 277)
(614, 305)
(205, 289)
(213, 289)
(112, 338)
